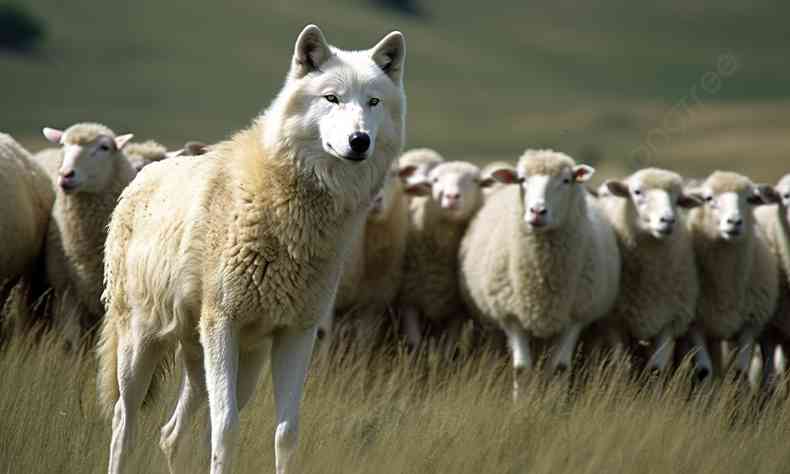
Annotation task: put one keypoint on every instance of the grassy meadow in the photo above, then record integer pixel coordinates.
(687, 84)
(369, 411)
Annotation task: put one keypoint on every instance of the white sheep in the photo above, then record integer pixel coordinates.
(143, 154)
(486, 176)
(223, 254)
(659, 285)
(775, 223)
(92, 170)
(449, 196)
(737, 271)
(27, 198)
(540, 259)
(372, 272)
(423, 160)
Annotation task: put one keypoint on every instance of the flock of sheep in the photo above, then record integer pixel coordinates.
(684, 267)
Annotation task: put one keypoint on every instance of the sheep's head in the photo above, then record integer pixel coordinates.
(550, 182)
(90, 153)
(384, 200)
(143, 154)
(783, 188)
(654, 195)
(455, 186)
(417, 163)
(729, 198)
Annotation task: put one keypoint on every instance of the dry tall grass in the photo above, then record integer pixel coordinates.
(368, 411)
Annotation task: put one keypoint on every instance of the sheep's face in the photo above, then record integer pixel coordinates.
(654, 196)
(384, 200)
(783, 188)
(455, 187)
(548, 192)
(729, 199)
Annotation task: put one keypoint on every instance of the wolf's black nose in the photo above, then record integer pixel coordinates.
(359, 142)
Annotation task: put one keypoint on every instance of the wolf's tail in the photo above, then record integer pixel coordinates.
(107, 353)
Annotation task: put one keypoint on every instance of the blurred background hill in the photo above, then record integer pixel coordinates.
(688, 84)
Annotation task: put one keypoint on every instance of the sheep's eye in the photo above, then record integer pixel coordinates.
(637, 192)
(374, 102)
(104, 147)
(787, 196)
(566, 181)
(435, 180)
(332, 98)
(708, 198)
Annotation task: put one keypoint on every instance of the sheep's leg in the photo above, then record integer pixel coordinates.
(250, 363)
(191, 397)
(137, 360)
(522, 358)
(745, 350)
(221, 361)
(563, 358)
(412, 327)
(703, 365)
(664, 345)
(291, 351)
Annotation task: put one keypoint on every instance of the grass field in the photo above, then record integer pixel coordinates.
(693, 85)
(370, 412)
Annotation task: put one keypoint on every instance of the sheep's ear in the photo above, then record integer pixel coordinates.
(487, 182)
(310, 52)
(764, 194)
(195, 148)
(690, 201)
(389, 55)
(406, 171)
(505, 176)
(173, 154)
(53, 135)
(418, 188)
(582, 173)
(122, 140)
(617, 188)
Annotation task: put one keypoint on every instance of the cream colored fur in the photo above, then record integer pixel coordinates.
(27, 197)
(253, 253)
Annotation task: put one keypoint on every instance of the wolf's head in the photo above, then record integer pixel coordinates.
(340, 113)
(348, 102)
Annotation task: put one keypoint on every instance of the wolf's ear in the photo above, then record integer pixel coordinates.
(310, 52)
(389, 54)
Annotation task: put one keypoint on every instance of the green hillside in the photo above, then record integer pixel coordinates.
(689, 84)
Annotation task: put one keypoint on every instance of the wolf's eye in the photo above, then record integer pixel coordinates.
(332, 98)
(374, 102)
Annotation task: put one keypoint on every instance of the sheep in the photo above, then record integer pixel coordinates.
(540, 259)
(486, 176)
(253, 254)
(775, 223)
(659, 285)
(423, 159)
(144, 153)
(27, 197)
(92, 172)
(739, 277)
(194, 148)
(429, 289)
(372, 272)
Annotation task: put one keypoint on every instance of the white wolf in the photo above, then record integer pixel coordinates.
(220, 255)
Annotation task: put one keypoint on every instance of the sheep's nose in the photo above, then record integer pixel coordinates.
(669, 220)
(735, 221)
(538, 210)
(68, 175)
(453, 196)
(359, 142)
